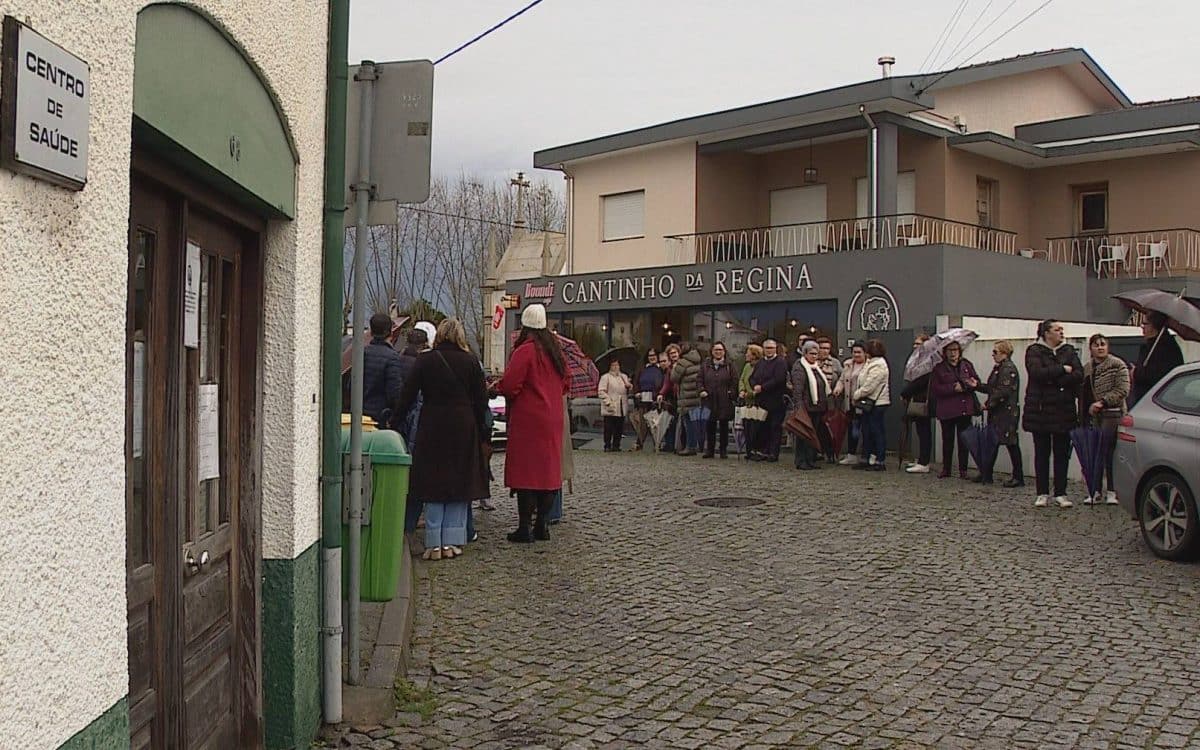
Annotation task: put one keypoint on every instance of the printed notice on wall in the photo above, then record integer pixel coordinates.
(139, 397)
(191, 298)
(208, 414)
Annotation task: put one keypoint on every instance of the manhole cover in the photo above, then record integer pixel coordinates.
(729, 502)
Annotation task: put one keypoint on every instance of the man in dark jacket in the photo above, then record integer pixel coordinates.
(382, 379)
(769, 382)
(1159, 355)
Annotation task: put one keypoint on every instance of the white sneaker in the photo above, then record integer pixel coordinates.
(1091, 499)
(1063, 502)
(918, 469)
(1110, 498)
(848, 460)
(1042, 501)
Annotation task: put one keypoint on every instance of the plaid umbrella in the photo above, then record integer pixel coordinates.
(585, 378)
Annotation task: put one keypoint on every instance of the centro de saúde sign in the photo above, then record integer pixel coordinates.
(45, 95)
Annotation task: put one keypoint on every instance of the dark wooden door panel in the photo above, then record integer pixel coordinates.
(193, 542)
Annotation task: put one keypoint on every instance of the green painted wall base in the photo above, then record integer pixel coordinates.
(291, 595)
(109, 732)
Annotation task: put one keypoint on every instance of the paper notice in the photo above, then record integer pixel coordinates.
(208, 448)
(139, 397)
(191, 297)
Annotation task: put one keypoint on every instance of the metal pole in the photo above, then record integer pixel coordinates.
(362, 196)
(331, 363)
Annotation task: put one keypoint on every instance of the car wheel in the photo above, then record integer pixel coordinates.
(1167, 516)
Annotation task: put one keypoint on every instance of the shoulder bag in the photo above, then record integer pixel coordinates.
(920, 409)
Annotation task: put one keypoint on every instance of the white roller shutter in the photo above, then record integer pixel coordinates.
(624, 215)
(798, 205)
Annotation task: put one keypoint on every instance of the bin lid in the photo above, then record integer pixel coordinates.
(383, 446)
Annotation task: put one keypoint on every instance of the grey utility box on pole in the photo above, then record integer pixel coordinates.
(388, 136)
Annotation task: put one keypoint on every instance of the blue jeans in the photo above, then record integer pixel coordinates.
(556, 512)
(875, 434)
(446, 524)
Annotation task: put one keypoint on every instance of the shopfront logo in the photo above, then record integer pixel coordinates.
(873, 308)
(543, 292)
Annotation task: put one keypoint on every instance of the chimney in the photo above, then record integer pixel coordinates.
(886, 62)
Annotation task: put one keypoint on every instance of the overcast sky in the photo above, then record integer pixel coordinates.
(574, 69)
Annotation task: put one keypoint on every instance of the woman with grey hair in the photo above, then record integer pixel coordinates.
(810, 389)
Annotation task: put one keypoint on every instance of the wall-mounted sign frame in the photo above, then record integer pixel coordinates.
(45, 108)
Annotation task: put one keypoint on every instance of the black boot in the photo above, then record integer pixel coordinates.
(545, 503)
(525, 506)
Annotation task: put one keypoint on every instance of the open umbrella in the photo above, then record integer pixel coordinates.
(1183, 317)
(585, 378)
(1091, 447)
(626, 355)
(922, 361)
(837, 422)
(982, 442)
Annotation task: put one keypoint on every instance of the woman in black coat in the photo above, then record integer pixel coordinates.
(450, 456)
(1003, 407)
(718, 391)
(1160, 353)
(1051, 408)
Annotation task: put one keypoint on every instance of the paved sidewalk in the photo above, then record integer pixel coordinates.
(849, 609)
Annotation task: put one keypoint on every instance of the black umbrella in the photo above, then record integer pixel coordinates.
(1183, 317)
(982, 442)
(626, 355)
(1091, 447)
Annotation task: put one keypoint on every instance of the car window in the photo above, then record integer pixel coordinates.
(1182, 394)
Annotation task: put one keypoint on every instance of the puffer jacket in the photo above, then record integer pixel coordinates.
(686, 376)
(1050, 396)
(1107, 381)
(873, 382)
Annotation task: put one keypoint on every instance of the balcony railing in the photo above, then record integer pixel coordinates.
(841, 235)
(1142, 254)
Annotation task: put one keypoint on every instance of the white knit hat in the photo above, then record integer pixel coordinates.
(534, 317)
(429, 328)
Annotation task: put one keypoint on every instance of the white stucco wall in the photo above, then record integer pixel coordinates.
(63, 258)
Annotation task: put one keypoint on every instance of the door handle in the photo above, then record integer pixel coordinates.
(194, 566)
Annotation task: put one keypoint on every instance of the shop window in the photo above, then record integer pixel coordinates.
(630, 329)
(624, 215)
(589, 331)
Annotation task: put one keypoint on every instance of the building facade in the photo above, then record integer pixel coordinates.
(1022, 188)
(160, 366)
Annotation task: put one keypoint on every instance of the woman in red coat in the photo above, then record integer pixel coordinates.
(533, 386)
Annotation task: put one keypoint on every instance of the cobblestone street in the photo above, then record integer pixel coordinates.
(848, 609)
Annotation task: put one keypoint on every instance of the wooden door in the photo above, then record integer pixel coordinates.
(193, 561)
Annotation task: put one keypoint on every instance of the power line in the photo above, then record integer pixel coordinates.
(462, 47)
(982, 31)
(962, 6)
(985, 47)
(936, 42)
(962, 41)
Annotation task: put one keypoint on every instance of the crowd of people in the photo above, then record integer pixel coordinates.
(435, 393)
(696, 391)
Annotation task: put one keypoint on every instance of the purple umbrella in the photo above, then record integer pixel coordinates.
(1091, 448)
(982, 442)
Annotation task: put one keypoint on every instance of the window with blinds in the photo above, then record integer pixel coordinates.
(624, 215)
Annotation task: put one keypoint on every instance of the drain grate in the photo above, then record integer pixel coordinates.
(729, 502)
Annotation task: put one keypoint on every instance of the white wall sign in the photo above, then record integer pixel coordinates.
(191, 297)
(45, 108)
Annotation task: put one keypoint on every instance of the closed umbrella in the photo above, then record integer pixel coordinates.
(799, 424)
(838, 423)
(1091, 447)
(982, 442)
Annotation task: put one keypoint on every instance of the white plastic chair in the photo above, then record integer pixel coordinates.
(1156, 253)
(1111, 255)
(1031, 253)
(916, 240)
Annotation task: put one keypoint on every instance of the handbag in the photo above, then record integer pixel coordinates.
(864, 405)
(645, 397)
(754, 413)
(920, 409)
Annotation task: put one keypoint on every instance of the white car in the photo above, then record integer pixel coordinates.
(499, 422)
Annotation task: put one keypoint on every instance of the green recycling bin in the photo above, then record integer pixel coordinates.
(383, 532)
